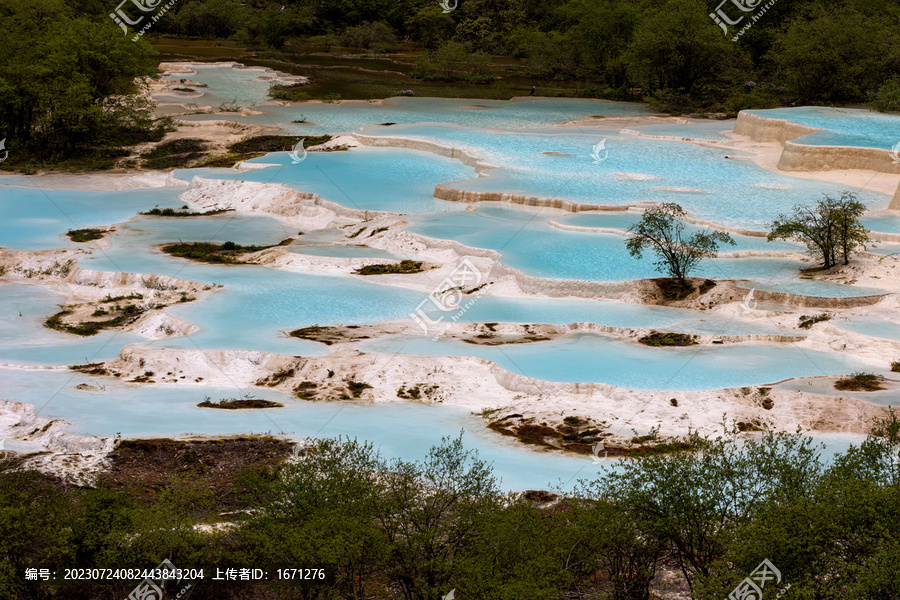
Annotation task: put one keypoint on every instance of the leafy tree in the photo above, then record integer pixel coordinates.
(432, 515)
(616, 538)
(675, 46)
(849, 55)
(662, 229)
(321, 512)
(66, 81)
(887, 98)
(830, 229)
(693, 501)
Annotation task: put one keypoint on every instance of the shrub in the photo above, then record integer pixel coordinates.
(860, 382)
(887, 98)
(405, 266)
(85, 235)
(369, 35)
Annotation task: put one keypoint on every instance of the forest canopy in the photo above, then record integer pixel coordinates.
(68, 74)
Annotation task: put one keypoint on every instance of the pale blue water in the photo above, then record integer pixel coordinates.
(401, 430)
(24, 339)
(225, 84)
(587, 357)
(387, 179)
(614, 314)
(520, 113)
(528, 243)
(841, 126)
(872, 326)
(699, 130)
(624, 220)
(37, 219)
(884, 223)
(258, 305)
(712, 187)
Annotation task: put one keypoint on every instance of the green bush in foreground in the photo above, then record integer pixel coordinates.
(383, 528)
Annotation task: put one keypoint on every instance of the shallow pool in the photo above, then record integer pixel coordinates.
(37, 219)
(400, 430)
(841, 126)
(585, 357)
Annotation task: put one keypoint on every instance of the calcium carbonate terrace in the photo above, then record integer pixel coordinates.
(543, 149)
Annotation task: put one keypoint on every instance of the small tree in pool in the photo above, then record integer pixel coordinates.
(662, 229)
(831, 229)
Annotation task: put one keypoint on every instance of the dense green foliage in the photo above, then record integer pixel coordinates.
(416, 530)
(800, 51)
(67, 79)
(68, 75)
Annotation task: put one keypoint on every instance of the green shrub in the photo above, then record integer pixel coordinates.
(405, 266)
(887, 98)
(860, 382)
(85, 235)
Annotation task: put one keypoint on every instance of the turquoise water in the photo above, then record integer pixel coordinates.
(387, 179)
(624, 220)
(37, 219)
(699, 130)
(841, 126)
(520, 113)
(25, 341)
(707, 184)
(225, 84)
(614, 314)
(884, 223)
(872, 326)
(585, 357)
(258, 304)
(401, 430)
(528, 243)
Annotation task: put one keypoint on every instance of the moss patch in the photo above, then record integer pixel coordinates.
(240, 404)
(184, 212)
(175, 153)
(403, 267)
(276, 143)
(657, 339)
(119, 316)
(85, 235)
(860, 382)
(226, 253)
